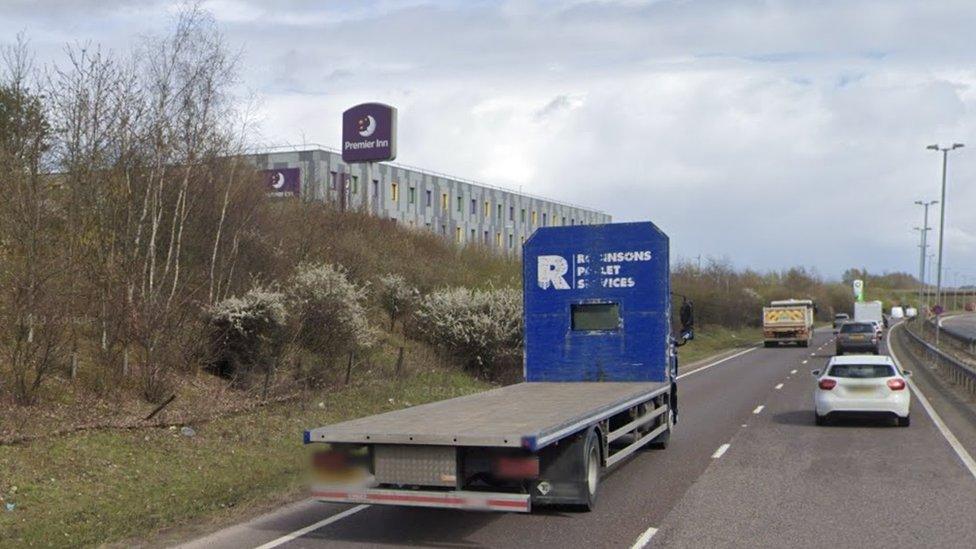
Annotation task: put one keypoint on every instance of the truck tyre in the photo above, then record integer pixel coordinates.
(768, 344)
(905, 421)
(805, 343)
(590, 470)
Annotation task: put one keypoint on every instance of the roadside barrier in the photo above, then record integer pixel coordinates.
(950, 367)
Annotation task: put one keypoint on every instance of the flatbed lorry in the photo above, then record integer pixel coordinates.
(600, 367)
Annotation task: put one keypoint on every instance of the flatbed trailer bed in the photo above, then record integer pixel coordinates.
(525, 415)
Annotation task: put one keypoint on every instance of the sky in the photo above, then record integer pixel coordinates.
(766, 133)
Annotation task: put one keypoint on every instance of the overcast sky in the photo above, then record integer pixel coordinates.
(771, 133)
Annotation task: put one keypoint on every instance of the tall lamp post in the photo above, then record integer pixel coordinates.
(942, 208)
(924, 229)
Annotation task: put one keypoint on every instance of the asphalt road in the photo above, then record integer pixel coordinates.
(746, 467)
(964, 325)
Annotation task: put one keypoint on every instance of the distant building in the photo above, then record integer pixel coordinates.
(463, 211)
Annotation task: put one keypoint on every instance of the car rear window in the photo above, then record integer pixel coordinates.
(861, 371)
(856, 329)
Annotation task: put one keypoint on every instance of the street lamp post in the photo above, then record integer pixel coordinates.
(942, 208)
(924, 229)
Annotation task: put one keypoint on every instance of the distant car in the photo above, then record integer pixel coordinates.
(857, 337)
(864, 385)
(911, 312)
(897, 312)
(840, 318)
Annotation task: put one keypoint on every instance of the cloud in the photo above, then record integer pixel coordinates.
(771, 133)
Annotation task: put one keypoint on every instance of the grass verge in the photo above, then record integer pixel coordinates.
(712, 340)
(99, 487)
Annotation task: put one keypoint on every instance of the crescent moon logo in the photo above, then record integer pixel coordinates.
(279, 180)
(367, 126)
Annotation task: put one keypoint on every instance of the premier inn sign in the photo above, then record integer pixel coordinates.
(369, 133)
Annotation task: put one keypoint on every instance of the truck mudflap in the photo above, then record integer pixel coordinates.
(453, 499)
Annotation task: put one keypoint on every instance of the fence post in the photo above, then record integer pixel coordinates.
(399, 362)
(349, 368)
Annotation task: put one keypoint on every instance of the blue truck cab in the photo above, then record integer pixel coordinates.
(597, 302)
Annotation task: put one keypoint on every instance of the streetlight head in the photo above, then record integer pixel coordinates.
(958, 145)
(933, 147)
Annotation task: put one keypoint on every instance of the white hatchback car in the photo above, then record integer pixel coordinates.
(862, 384)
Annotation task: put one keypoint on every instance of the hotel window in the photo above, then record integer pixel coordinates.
(429, 198)
(394, 192)
(499, 212)
(444, 230)
(511, 240)
(355, 184)
(487, 209)
(443, 202)
(473, 236)
(572, 221)
(412, 197)
(474, 206)
(457, 234)
(333, 176)
(498, 240)
(460, 204)
(522, 217)
(544, 219)
(535, 218)
(511, 213)
(564, 221)
(486, 238)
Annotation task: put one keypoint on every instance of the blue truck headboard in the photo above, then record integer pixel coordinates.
(597, 303)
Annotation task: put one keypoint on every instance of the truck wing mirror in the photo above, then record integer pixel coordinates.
(687, 317)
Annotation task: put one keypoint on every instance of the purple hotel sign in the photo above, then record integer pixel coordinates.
(283, 181)
(369, 133)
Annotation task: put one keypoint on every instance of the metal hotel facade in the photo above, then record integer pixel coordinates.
(474, 213)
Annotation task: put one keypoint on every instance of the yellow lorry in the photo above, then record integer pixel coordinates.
(788, 320)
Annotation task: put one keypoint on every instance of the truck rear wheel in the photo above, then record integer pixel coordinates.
(590, 471)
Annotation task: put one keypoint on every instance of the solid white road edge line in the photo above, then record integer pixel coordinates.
(967, 460)
(721, 450)
(324, 522)
(717, 362)
(759, 408)
(644, 538)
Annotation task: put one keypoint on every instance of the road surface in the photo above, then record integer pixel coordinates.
(745, 467)
(963, 325)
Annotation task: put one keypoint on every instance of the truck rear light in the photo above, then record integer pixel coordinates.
(827, 384)
(896, 384)
(516, 468)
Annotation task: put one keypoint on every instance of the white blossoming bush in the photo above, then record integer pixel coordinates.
(246, 334)
(396, 297)
(481, 328)
(330, 315)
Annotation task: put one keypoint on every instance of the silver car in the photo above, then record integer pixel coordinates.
(857, 337)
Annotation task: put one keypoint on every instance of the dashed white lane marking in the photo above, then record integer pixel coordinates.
(813, 354)
(721, 451)
(793, 371)
(312, 527)
(804, 362)
(644, 538)
(778, 387)
(717, 362)
(745, 424)
(967, 460)
(758, 409)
